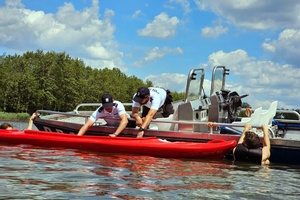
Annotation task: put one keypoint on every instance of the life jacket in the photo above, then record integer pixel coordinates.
(242, 153)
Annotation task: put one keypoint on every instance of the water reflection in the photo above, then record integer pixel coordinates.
(35, 173)
(77, 172)
(154, 174)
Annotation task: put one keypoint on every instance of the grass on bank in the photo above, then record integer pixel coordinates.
(17, 117)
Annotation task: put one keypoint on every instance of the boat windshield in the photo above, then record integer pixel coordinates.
(218, 79)
(194, 85)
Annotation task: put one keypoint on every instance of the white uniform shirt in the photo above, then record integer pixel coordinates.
(117, 110)
(157, 99)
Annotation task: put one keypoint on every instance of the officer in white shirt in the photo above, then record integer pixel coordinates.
(114, 113)
(152, 99)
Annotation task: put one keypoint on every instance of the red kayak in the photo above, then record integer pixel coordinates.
(215, 149)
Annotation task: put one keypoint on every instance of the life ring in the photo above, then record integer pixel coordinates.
(210, 124)
(248, 112)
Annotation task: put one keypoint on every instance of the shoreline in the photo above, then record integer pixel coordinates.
(11, 120)
(14, 117)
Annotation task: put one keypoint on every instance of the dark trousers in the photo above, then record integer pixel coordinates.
(166, 110)
(131, 124)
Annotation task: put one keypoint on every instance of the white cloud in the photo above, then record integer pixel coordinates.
(98, 51)
(213, 32)
(268, 47)
(173, 82)
(136, 13)
(200, 5)
(233, 59)
(14, 3)
(286, 47)
(161, 27)
(157, 53)
(185, 4)
(256, 14)
(259, 79)
(264, 81)
(80, 33)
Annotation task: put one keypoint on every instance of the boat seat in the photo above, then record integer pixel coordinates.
(268, 115)
(254, 120)
(260, 117)
(164, 126)
(152, 126)
(167, 126)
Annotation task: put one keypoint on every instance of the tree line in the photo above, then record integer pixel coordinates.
(55, 81)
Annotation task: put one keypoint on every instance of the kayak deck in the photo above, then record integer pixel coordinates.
(152, 146)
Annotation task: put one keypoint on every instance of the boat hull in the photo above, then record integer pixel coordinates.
(143, 146)
(283, 151)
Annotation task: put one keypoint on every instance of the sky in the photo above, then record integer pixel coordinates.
(161, 40)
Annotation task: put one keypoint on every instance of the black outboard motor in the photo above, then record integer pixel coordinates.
(232, 104)
(225, 106)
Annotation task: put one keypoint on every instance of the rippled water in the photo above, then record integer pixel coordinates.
(28, 172)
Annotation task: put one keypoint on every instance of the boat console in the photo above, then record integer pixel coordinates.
(222, 106)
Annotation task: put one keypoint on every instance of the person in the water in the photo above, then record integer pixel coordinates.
(249, 147)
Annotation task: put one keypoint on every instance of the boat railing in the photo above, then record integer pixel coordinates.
(55, 115)
(286, 116)
(76, 110)
(79, 106)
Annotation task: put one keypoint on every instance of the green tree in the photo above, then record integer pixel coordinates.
(177, 96)
(245, 105)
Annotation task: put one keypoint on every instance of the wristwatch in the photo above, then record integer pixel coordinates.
(141, 129)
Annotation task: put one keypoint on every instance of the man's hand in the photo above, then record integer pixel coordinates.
(140, 134)
(139, 121)
(248, 127)
(265, 128)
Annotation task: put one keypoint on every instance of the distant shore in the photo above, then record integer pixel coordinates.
(16, 117)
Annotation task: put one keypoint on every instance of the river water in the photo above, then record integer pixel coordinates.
(29, 172)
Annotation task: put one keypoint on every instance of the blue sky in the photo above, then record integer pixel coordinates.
(162, 40)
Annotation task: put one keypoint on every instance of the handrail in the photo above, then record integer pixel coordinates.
(288, 112)
(61, 113)
(209, 124)
(86, 104)
(94, 104)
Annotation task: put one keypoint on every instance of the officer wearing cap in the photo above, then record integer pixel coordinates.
(112, 111)
(152, 99)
